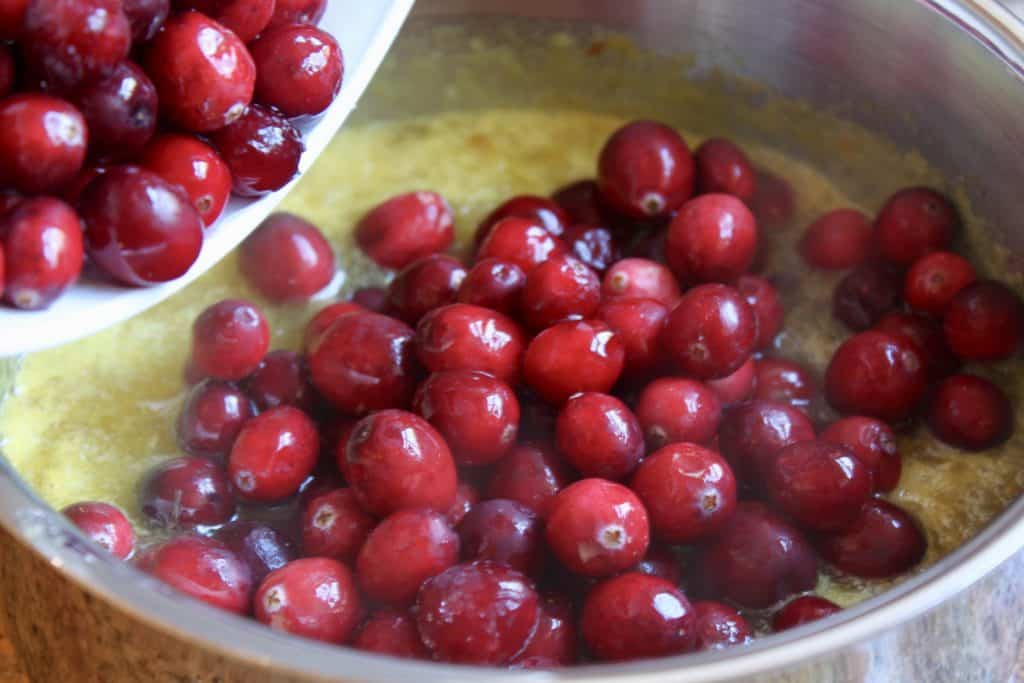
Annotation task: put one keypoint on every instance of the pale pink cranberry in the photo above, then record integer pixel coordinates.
(674, 409)
(633, 278)
(313, 598)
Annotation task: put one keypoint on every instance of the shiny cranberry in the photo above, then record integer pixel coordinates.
(633, 278)
(876, 374)
(364, 362)
(864, 295)
(934, 279)
(554, 643)
(193, 165)
(42, 241)
(674, 409)
(263, 548)
(838, 240)
(42, 142)
(261, 149)
(423, 285)
(599, 436)
(324, 318)
(406, 228)
(391, 632)
(334, 525)
(711, 332)
(737, 387)
(661, 562)
(203, 72)
(503, 531)
(12, 18)
(593, 245)
(720, 626)
(287, 259)
(540, 210)
(531, 475)
(145, 17)
(314, 598)
(571, 357)
(913, 222)
(273, 455)
(229, 339)
(298, 12)
(396, 460)
(466, 496)
(645, 170)
(874, 444)
(69, 41)
(713, 238)
(784, 381)
(298, 69)
(926, 333)
(638, 324)
(202, 568)
(763, 298)
(280, 380)
(884, 541)
(187, 492)
(495, 284)
(523, 241)
(138, 227)
(803, 610)
(984, 321)
(104, 525)
(722, 167)
(581, 202)
(120, 108)
(970, 413)
(211, 418)
(773, 203)
(752, 433)
(464, 337)
(245, 18)
(561, 288)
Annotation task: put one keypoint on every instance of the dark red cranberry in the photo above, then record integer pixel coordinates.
(599, 436)
(42, 142)
(581, 202)
(391, 632)
(42, 240)
(211, 418)
(773, 203)
(633, 278)
(722, 167)
(561, 288)
(784, 381)
(660, 561)
(638, 323)
(876, 374)
(531, 475)
(913, 222)
(187, 492)
(934, 279)
(8, 75)
(495, 284)
(273, 455)
(69, 41)
(298, 12)
(423, 285)
(261, 149)
(335, 526)
(314, 598)
(503, 531)
(711, 332)
(12, 18)
(675, 409)
(752, 433)
(592, 244)
(203, 73)
(325, 318)
(927, 334)
(713, 238)
(737, 387)
(192, 164)
(120, 108)
(104, 525)
(287, 259)
(371, 298)
(554, 643)
(396, 460)
(72, 191)
(280, 380)
(803, 610)
(984, 321)
(874, 444)
(466, 496)
(405, 228)
(229, 339)
(298, 69)
(523, 241)
(538, 417)
(970, 413)
(464, 337)
(838, 240)
(477, 414)
(720, 626)
(8, 200)
(864, 295)
(884, 541)
(645, 170)
(571, 357)
(202, 568)
(540, 210)
(145, 17)
(138, 227)
(635, 616)
(364, 362)
(763, 298)
(245, 18)
(263, 548)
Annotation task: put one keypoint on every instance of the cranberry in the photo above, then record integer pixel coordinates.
(263, 548)
(8, 75)
(913, 222)
(720, 626)
(503, 531)
(396, 460)
(752, 433)
(673, 409)
(838, 240)
(884, 541)
(261, 149)
(571, 357)
(723, 167)
(581, 202)
(984, 321)
(287, 259)
(495, 284)
(42, 142)
(202, 568)
(711, 332)
(423, 285)
(645, 170)
(763, 299)
(803, 610)
(245, 18)
(592, 244)
(280, 380)
(364, 362)
(138, 227)
(477, 613)
(298, 12)
(477, 414)
(405, 228)
(784, 381)
(874, 444)
(42, 240)
(660, 561)
(12, 18)
(561, 288)
(523, 241)
(193, 165)
(599, 436)
(737, 387)
(298, 69)
(333, 525)
(464, 337)
(531, 475)
(927, 334)
(713, 238)
(970, 413)
(229, 339)
(104, 525)
(120, 109)
(554, 641)
(635, 616)
(633, 278)
(390, 632)
(773, 203)
(371, 298)
(314, 598)
(864, 295)
(68, 41)
(638, 324)
(145, 17)
(202, 72)
(273, 455)
(211, 418)
(187, 492)
(934, 279)
(876, 374)
(541, 211)
(325, 318)
(466, 496)
(538, 418)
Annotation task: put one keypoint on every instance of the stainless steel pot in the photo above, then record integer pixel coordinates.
(940, 76)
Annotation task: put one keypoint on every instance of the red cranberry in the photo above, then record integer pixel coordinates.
(202, 72)
(874, 444)
(211, 418)
(261, 149)
(876, 374)
(187, 492)
(599, 436)
(280, 380)
(314, 598)
(503, 531)
(42, 142)
(645, 170)
(984, 321)
(571, 357)
(287, 259)
(261, 547)
(554, 642)
(581, 202)
(12, 18)
(72, 192)
(713, 238)
(864, 295)
(635, 616)
(466, 496)
(229, 339)
(838, 240)
(406, 228)
(884, 541)
(758, 559)
(298, 12)
(773, 203)
(193, 165)
(245, 18)
(464, 337)
(720, 626)
(927, 334)
(784, 381)
(298, 69)
(8, 75)
(934, 279)
(138, 227)
(334, 525)
(495, 284)
(531, 475)
(540, 210)
(364, 362)
(711, 332)
(423, 285)
(752, 433)
(396, 460)
(673, 409)
(390, 632)
(661, 562)
(68, 41)
(560, 288)
(523, 241)
(597, 528)
(273, 455)
(145, 17)
(120, 109)
(592, 244)
(722, 167)
(202, 568)
(737, 387)
(104, 525)
(633, 278)
(913, 222)
(325, 318)
(970, 413)
(638, 324)
(477, 414)
(42, 240)
(803, 610)
(763, 299)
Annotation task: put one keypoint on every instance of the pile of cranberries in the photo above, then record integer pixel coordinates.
(126, 124)
(572, 449)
